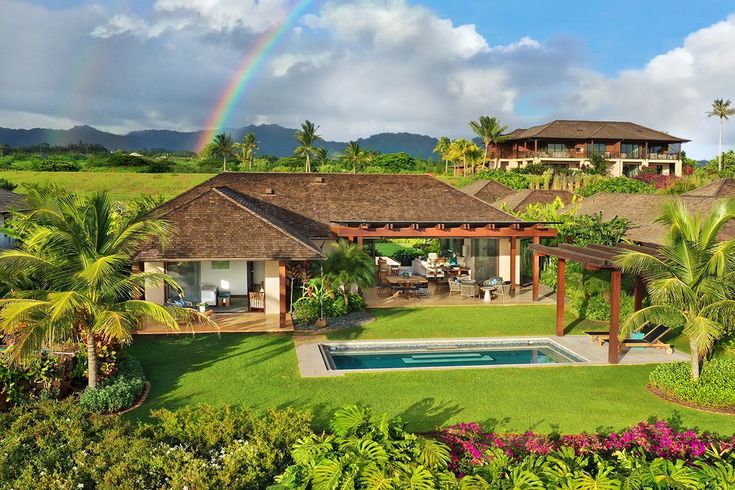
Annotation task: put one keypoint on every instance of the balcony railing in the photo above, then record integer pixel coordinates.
(580, 155)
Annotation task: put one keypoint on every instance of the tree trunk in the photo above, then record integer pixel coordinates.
(446, 166)
(308, 163)
(224, 164)
(252, 157)
(720, 166)
(91, 361)
(695, 360)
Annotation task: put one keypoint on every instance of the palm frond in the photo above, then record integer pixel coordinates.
(651, 315)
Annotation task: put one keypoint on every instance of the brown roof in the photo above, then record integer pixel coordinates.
(520, 200)
(602, 130)
(303, 207)
(10, 201)
(219, 223)
(487, 190)
(642, 210)
(718, 188)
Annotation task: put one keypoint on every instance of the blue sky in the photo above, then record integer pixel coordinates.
(358, 67)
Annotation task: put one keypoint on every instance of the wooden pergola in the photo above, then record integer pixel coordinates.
(356, 231)
(593, 257)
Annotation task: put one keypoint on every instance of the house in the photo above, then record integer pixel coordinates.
(487, 190)
(9, 201)
(628, 147)
(237, 232)
(519, 201)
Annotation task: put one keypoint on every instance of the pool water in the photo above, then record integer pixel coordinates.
(347, 357)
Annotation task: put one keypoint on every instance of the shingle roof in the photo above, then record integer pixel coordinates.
(305, 206)
(642, 210)
(718, 188)
(603, 130)
(487, 190)
(520, 200)
(220, 224)
(10, 201)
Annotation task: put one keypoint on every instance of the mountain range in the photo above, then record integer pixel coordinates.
(273, 139)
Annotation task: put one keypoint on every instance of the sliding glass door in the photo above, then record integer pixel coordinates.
(188, 276)
(484, 258)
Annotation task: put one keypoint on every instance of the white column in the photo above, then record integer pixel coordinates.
(272, 288)
(154, 293)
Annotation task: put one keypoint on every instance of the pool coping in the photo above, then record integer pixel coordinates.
(313, 363)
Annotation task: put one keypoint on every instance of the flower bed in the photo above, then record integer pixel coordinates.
(117, 392)
(472, 447)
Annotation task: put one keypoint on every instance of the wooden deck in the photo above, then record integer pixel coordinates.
(439, 296)
(228, 323)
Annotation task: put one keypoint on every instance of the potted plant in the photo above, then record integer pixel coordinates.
(202, 307)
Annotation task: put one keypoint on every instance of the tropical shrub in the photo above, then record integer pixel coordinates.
(7, 185)
(40, 378)
(622, 185)
(513, 179)
(715, 387)
(54, 164)
(117, 392)
(657, 181)
(392, 163)
(406, 255)
(61, 445)
(366, 450)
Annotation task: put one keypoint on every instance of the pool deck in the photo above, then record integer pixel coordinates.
(311, 361)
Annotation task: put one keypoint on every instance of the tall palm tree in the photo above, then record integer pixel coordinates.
(74, 265)
(348, 265)
(460, 150)
(723, 109)
(354, 155)
(490, 130)
(223, 146)
(442, 148)
(307, 139)
(691, 280)
(248, 147)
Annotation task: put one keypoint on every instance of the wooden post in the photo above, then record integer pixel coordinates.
(561, 286)
(359, 241)
(638, 294)
(536, 269)
(613, 344)
(513, 253)
(282, 294)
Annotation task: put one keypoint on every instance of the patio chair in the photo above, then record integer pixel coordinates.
(651, 339)
(468, 290)
(256, 301)
(422, 290)
(454, 286)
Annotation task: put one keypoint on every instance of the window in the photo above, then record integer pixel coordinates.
(484, 258)
(593, 148)
(630, 150)
(187, 276)
(220, 265)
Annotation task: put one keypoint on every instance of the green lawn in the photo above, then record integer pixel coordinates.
(121, 185)
(261, 371)
(387, 249)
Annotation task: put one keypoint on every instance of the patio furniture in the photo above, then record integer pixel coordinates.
(651, 339)
(468, 289)
(256, 301)
(225, 298)
(422, 290)
(488, 293)
(454, 286)
(403, 284)
(208, 294)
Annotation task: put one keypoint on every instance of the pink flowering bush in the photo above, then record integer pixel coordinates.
(658, 181)
(471, 446)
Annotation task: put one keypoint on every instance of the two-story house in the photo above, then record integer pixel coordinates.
(628, 147)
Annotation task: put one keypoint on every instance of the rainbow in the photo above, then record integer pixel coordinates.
(246, 71)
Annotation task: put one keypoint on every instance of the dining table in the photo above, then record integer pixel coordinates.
(405, 283)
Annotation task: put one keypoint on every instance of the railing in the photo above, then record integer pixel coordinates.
(581, 155)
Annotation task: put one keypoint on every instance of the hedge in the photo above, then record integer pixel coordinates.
(715, 387)
(119, 391)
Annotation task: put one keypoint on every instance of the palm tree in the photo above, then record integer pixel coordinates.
(460, 150)
(690, 280)
(348, 265)
(247, 148)
(74, 266)
(489, 129)
(354, 155)
(442, 148)
(223, 146)
(307, 138)
(721, 108)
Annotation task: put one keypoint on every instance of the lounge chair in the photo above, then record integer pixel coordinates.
(651, 339)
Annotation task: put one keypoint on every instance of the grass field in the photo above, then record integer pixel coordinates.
(387, 249)
(261, 371)
(121, 185)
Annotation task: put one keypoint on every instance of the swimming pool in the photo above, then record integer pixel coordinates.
(351, 356)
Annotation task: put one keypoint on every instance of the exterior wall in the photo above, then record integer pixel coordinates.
(234, 280)
(157, 293)
(272, 287)
(258, 275)
(504, 259)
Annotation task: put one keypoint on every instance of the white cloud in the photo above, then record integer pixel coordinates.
(122, 24)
